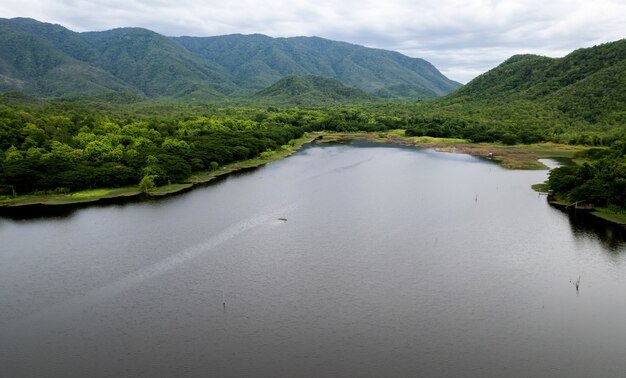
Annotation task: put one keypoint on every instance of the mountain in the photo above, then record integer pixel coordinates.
(49, 60)
(257, 61)
(587, 84)
(155, 64)
(46, 60)
(310, 90)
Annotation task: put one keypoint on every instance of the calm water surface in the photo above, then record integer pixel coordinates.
(393, 262)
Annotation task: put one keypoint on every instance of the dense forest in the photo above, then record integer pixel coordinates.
(601, 181)
(65, 147)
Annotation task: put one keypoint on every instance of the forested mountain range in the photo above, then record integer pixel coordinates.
(257, 61)
(49, 60)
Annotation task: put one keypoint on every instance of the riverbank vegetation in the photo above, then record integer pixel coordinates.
(53, 148)
(599, 182)
(519, 156)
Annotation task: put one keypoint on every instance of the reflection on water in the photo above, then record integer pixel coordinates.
(584, 225)
(391, 262)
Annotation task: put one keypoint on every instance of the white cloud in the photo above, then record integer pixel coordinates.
(461, 38)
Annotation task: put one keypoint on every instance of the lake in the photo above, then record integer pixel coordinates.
(391, 262)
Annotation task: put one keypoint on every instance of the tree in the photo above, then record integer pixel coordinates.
(147, 184)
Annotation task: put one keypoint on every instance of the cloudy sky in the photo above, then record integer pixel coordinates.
(461, 38)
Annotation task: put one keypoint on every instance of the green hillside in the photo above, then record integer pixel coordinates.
(257, 61)
(577, 99)
(49, 60)
(154, 64)
(35, 58)
(310, 90)
(587, 84)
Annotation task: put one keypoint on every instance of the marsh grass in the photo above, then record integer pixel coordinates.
(541, 188)
(611, 214)
(520, 156)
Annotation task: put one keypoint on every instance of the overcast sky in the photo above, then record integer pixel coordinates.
(461, 38)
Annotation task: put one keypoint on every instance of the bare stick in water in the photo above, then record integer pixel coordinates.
(576, 283)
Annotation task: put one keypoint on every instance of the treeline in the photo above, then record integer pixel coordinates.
(67, 151)
(73, 145)
(510, 123)
(474, 131)
(65, 146)
(602, 181)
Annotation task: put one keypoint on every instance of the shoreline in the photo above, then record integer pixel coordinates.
(619, 219)
(519, 156)
(600, 213)
(512, 157)
(30, 202)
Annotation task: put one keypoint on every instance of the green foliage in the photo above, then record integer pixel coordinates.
(147, 183)
(311, 91)
(577, 99)
(584, 87)
(63, 145)
(601, 182)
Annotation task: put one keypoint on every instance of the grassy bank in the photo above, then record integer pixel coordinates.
(610, 215)
(616, 216)
(90, 195)
(540, 188)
